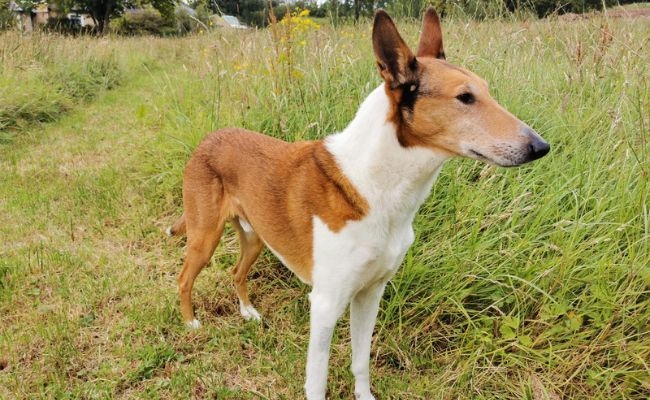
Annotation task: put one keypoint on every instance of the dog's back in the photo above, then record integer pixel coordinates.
(238, 169)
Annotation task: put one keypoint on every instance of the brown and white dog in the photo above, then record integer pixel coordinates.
(338, 212)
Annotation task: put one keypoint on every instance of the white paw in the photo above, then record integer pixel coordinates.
(168, 232)
(193, 324)
(365, 396)
(315, 397)
(249, 312)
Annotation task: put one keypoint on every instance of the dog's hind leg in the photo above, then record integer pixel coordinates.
(250, 248)
(200, 247)
(206, 212)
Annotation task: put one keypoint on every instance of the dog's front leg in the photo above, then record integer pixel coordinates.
(325, 309)
(363, 315)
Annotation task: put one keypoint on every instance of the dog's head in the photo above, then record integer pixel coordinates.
(443, 107)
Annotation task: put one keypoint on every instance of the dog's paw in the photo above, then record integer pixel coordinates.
(249, 312)
(368, 396)
(193, 324)
(169, 232)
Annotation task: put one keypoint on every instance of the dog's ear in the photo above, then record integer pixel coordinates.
(395, 60)
(431, 36)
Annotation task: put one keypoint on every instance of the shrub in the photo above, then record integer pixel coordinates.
(185, 22)
(147, 21)
(66, 26)
(7, 18)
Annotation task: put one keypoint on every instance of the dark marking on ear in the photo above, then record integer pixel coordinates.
(410, 93)
(410, 89)
(394, 57)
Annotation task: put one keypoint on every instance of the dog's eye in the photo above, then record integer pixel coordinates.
(466, 98)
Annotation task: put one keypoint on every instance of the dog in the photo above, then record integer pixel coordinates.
(338, 212)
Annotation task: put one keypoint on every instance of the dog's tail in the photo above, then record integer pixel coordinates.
(178, 228)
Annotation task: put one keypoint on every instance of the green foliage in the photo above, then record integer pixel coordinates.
(151, 359)
(145, 21)
(103, 11)
(7, 18)
(410, 9)
(27, 4)
(66, 26)
(185, 23)
(251, 12)
(166, 9)
(189, 21)
(341, 10)
(546, 7)
(258, 12)
(42, 89)
(202, 11)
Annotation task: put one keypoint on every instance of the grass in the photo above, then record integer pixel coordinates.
(523, 283)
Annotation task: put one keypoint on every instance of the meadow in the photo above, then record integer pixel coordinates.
(530, 283)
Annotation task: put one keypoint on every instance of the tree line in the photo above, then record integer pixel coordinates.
(354, 9)
(257, 12)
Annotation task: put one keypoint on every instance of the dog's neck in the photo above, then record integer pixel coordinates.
(372, 158)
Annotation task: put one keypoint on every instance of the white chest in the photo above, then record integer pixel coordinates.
(394, 181)
(362, 253)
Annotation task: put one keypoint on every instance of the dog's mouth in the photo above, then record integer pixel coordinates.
(477, 154)
(482, 157)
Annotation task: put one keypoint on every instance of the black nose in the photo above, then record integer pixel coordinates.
(538, 148)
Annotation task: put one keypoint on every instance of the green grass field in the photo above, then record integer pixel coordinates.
(528, 283)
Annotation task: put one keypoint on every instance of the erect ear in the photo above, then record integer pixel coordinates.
(431, 36)
(395, 60)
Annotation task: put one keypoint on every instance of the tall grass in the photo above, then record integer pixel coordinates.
(44, 76)
(523, 283)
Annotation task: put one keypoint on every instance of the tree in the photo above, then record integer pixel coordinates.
(366, 7)
(100, 10)
(339, 10)
(7, 18)
(103, 10)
